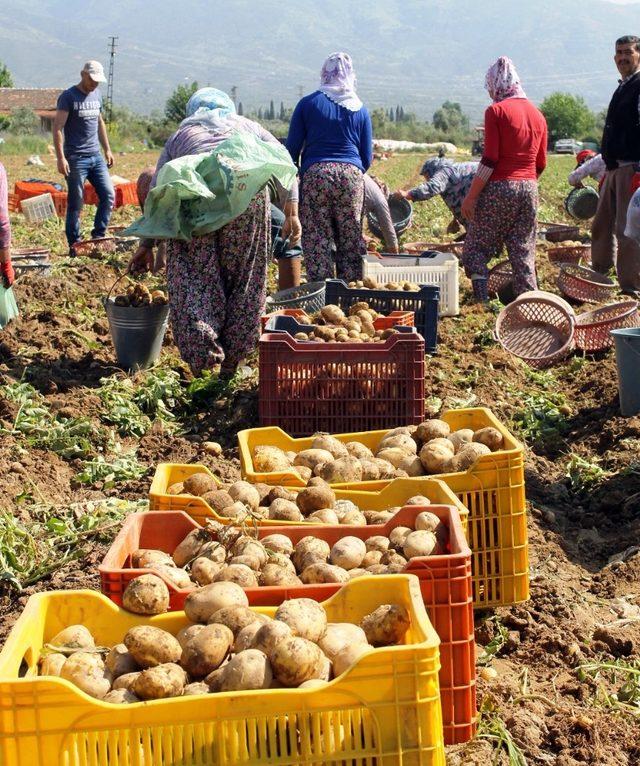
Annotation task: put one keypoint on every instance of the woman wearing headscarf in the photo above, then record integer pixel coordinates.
(330, 140)
(451, 180)
(217, 282)
(502, 203)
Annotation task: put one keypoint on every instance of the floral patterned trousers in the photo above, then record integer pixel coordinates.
(217, 289)
(331, 209)
(506, 214)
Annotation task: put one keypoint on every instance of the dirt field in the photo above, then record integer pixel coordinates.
(567, 685)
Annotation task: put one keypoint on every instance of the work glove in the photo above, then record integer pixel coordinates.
(7, 273)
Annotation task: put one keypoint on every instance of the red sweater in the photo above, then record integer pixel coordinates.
(515, 140)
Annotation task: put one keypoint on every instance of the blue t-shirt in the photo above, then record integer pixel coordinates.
(323, 131)
(81, 128)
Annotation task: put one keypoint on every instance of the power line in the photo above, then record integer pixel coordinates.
(112, 55)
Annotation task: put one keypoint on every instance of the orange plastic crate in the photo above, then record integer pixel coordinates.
(445, 584)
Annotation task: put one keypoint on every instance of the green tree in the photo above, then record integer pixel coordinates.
(450, 117)
(24, 121)
(240, 109)
(567, 116)
(175, 109)
(6, 80)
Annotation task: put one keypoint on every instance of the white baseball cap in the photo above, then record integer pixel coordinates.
(95, 71)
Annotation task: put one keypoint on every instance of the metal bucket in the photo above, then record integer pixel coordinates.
(137, 333)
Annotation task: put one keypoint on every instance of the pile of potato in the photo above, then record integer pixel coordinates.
(140, 295)
(218, 553)
(332, 325)
(227, 648)
(369, 283)
(430, 448)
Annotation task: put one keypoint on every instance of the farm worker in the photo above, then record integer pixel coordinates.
(79, 118)
(502, 203)
(217, 282)
(620, 148)
(330, 140)
(376, 201)
(143, 185)
(451, 180)
(589, 164)
(7, 276)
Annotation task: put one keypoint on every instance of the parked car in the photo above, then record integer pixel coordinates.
(567, 146)
(477, 148)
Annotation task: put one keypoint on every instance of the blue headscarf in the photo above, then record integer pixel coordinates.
(210, 108)
(432, 166)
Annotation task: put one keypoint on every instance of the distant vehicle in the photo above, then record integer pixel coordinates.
(567, 146)
(477, 147)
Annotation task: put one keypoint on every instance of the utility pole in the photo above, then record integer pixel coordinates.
(300, 92)
(234, 95)
(112, 55)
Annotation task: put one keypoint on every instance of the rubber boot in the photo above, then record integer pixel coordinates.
(480, 290)
(289, 272)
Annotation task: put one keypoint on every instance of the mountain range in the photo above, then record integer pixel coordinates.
(417, 53)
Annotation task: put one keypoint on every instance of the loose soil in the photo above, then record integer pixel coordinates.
(585, 563)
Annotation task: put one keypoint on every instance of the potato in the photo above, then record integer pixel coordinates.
(386, 625)
(237, 511)
(188, 549)
(73, 637)
(199, 484)
(273, 574)
(285, 510)
(436, 457)
(348, 552)
(214, 679)
(412, 465)
(432, 429)
(332, 314)
(304, 472)
(357, 450)
(218, 499)
(370, 470)
(248, 546)
(490, 437)
(196, 688)
(338, 635)
(404, 442)
(399, 430)
(468, 456)
(145, 558)
(160, 682)
(341, 471)
(177, 577)
(51, 665)
(330, 444)
(460, 437)
(305, 617)
(323, 573)
(348, 656)
(385, 468)
(278, 544)
(309, 544)
(324, 516)
(377, 543)
(377, 569)
(206, 650)
(202, 603)
(371, 558)
(393, 455)
(418, 500)
(279, 492)
(268, 459)
(419, 543)
(312, 683)
(150, 646)
(313, 457)
(245, 493)
(88, 672)
(393, 558)
(126, 681)
(204, 571)
(147, 594)
(176, 489)
(270, 635)
(397, 536)
(323, 668)
(241, 574)
(358, 572)
(186, 634)
(244, 638)
(119, 662)
(282, 561)
(377, 517)
(428, 521)
(342, 507)
(236, 618)
(312, 499)
(354, 519)
(245, 671)
(262, 489)
(294, 660)
(120, 697)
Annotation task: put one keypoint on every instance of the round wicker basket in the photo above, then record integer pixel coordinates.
(593, 328)
(585, 285)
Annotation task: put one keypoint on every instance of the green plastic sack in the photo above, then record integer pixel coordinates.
(201, 193)
(8, 306)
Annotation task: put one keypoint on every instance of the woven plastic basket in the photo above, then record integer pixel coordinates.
(593, 328)
(585, 285)
(439, 247)
(94, 248)
(559, 232)
(310, 297)
(500, 278)
(538, 327)
(569, 254)
(401, 211)
(582, 203)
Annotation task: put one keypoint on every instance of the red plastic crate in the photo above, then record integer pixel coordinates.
(340, 387)
(402, 318)
(445, 583)
(13, 202)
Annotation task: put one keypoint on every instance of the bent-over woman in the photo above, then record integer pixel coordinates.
(217, 282)
(330, 140)
(502, 203)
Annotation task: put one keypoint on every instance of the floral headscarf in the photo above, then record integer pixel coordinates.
(502, 80)
(209, 107)
(433, 165)
(338, 81)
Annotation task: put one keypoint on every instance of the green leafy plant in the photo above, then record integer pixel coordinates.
(492, 728)
(540, 420)
(496, 643)
(621, 675)
(584, 474)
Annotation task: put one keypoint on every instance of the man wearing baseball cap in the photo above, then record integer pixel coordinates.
(79, 119)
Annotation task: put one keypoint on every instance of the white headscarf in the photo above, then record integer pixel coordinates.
(502, 80)
(338, 81)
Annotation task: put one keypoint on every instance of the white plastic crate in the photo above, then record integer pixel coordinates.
(442, 270)
(38, 208)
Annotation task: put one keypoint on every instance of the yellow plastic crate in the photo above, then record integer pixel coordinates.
(492, 490)
(388, 495)
(385, 710)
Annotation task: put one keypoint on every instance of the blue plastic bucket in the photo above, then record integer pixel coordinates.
(627, 342)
